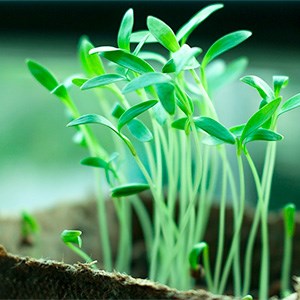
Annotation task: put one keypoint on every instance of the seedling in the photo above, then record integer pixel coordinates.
(72, 239)
(29, 229)
(160, 111)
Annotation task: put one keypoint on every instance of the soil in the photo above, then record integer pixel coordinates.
(82, 216)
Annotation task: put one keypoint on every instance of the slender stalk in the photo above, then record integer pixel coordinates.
(286, 266)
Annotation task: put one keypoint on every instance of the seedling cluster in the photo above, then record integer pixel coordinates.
(160, 110)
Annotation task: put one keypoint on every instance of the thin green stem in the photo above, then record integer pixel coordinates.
(286, 266)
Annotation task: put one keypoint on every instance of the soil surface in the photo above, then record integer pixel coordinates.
(83, 216)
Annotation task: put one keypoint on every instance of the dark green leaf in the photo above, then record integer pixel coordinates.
(61, 92)
(140, 131)
(91, 64)
(145, 80)
(72, 236)
(260, 85)
(224, 44)
(215, 129)
(102, 80)
(279, 82)
(185, 31)
(163, 33)
(118, 110)
(165, 92)
(135, 111)
(79, 81)
(180, 123)
(96, 162)
(137, 36)
(260, 117)
(196, 252)
(262, 134)
(125, 30)
(42, 75)
(181, 59)
(289, 219)
(292, 103)
(128, 189)
(124, 59)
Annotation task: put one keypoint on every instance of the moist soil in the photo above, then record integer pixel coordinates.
(83, 216)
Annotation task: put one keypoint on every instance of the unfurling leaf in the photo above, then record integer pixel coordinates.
(128, 189)
(279, 83)
(289, 219)
(72, 236)
(196, 253)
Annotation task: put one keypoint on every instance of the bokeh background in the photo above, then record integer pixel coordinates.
(39, 164)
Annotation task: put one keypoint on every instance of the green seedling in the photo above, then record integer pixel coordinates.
(159, 109)
(72, 239)
(289, 230)
(29, 229)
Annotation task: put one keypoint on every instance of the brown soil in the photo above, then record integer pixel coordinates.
(82, 216)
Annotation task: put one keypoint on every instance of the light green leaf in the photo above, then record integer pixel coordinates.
(260, 117)
(96, 162)
(146, 55)
(165, 92)
(135, 111)
(195, 254)
(124, 59)
(185, 31)
(128, 189)
(237, 130)
(262, 134)
(260, 85)
(137, 36)
(91, 64)
(292, 103)
(140, 45)
(145, 80)
(140, 131)
(79, 81)
(160, 114)
(289, 219)
(181, 59)
(96, 119)
(180, 123)
(61, 92)
(72, 236)
(163, 33)
(125, 30)
(29, 224)
(215, 129)
(102, 80)
(42, 75)
(224, 44)
(279, 82)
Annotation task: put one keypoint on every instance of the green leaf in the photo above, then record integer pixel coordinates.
(247, 297)
(137, 36)
(237, 130)
(118, 110)
(140, 131)
(195, 253)
(42, 75)
(185, 31)
(260, 85)
(160, 114)
(147, 55)
(145, 80)
(260, 117)
(262, 134)
(125, 30)
(215, 129)
(289, 219)
(102, 80)
(72, 236)
(61, 92)
(165, 92)
(163, 33)
(180, 123)
(224, 44)
(96, 162)
(181, 59)
(29, 224)
(140, 45)
(292, 103)
(279, 82)
(128, 189)
(124, 59)
(91, 64)
(96, 119)
(134, 111)
(79, 81)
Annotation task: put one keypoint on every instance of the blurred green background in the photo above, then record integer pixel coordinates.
(39, 164)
